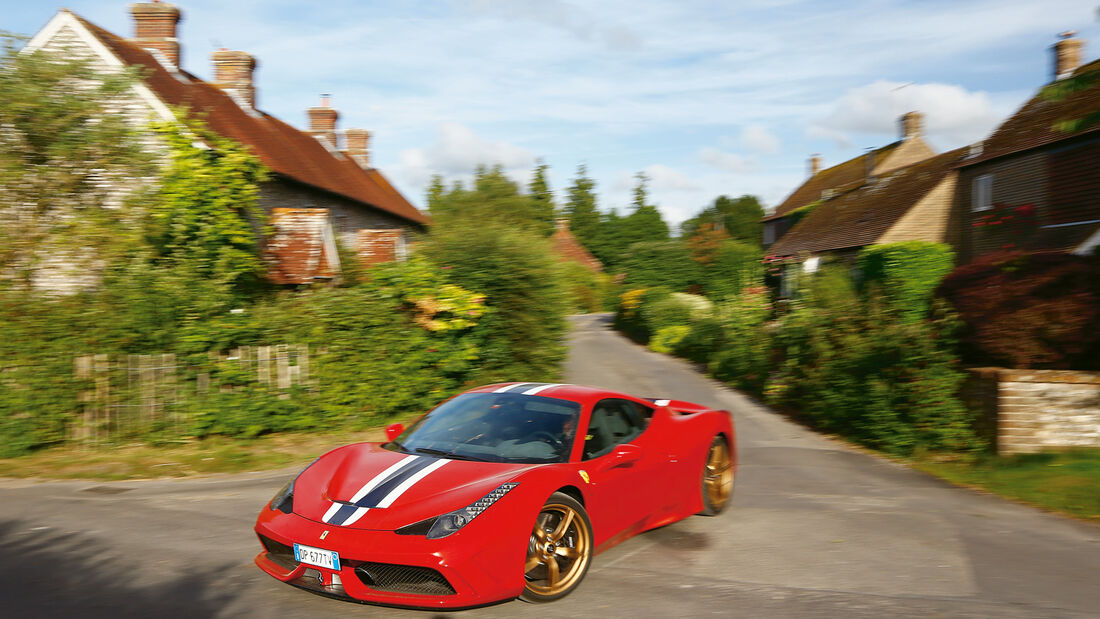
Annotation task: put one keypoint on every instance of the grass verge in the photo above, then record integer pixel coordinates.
(199, 457)
(1066, 481)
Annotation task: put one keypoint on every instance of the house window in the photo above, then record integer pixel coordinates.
(982, 198)
(769, 232)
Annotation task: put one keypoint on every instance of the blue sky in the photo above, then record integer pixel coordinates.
(707, 97)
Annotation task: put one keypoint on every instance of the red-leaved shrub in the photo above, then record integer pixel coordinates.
(1028, 310)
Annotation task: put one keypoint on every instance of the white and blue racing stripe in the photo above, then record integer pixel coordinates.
(383, 489)
(525, 388)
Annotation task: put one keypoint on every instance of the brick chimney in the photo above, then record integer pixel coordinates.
(322, 120)
(815, 164)
(233, 73)
(356, 146)
(911, 125)
(155, 29)
(1067, 54)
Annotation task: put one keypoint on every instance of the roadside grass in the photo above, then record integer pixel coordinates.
(198, 457)
(1066, 481)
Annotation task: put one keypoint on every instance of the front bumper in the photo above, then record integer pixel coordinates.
(459, 571)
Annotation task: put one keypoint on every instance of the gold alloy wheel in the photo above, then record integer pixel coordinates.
(559, 550)
(718, 475)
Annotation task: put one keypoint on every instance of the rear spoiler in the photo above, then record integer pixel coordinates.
(679, 406)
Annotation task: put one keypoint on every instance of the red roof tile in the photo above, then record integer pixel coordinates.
(569, 248)
(282, 148)
(861, 216)
(1033, 124)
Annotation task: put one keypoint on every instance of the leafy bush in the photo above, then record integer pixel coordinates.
(521, 337)
(1028, 310)
(700, 344)
(743, 355)
(659, 264)
(668, 338)
(874, 377)
(736, 264)
(907, 273)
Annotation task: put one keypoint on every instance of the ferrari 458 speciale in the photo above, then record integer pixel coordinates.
(503, 491)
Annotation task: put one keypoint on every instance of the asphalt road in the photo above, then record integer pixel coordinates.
(814, 530)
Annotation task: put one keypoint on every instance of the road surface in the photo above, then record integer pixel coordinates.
(814, 530)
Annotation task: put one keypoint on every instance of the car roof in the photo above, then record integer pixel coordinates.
(578, 393)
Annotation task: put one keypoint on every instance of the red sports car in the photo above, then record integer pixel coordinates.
(503, 491)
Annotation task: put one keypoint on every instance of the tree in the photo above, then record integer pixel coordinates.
(737, 217)
(542, 199)
(494, 197)
(644, 223)
(580, 208)
(68, 163)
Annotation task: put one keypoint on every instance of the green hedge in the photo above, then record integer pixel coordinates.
(907, 273)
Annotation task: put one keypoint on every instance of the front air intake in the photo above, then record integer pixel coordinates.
(403, 579)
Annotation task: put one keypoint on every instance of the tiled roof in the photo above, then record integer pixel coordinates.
(282, 148)
(861, 216)
(839, 178)
(569, 248)
(1033, 124)
(302, 247)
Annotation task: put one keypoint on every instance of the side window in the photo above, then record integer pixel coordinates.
(982, 196)
(614, 422)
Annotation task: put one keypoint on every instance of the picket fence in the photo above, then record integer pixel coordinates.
(133, 394)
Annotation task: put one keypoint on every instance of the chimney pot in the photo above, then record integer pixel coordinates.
(155, 29)
(1067, 54)
(233, 73)
(815, 164)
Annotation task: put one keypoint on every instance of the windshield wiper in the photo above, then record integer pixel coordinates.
(446, 454)
(398, 444)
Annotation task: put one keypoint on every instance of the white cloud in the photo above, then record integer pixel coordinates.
(729, 162)
(757, 139)
(950, 111)
(663, 178)
(456, 151)
(563, 15)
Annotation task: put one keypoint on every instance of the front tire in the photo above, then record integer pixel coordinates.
(717, 482)
(559, 551)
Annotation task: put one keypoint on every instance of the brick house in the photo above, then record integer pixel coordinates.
(322, 189)
(1030, 185)
(900, 192)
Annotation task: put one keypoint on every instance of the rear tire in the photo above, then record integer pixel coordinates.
(559, 551)
(717, 481)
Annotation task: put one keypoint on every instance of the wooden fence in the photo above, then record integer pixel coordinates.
(133, 394)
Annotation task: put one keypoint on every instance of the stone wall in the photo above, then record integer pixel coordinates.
(1031, 410)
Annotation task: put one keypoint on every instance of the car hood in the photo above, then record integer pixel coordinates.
(364, 486)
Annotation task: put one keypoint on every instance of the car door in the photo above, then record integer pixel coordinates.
(621, 467)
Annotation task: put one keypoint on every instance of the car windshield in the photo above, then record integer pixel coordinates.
(495, 427)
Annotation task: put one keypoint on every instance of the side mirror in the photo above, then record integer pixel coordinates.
(394, 430)
(624, 455)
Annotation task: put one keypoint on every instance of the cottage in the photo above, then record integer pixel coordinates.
(900, 192)
(323, 188)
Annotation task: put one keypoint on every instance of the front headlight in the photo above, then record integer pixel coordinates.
(444, 525)
(284, 498)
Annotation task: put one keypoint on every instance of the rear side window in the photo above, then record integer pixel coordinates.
(614, 422)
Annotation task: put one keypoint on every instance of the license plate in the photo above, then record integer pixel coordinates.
(317, 556)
